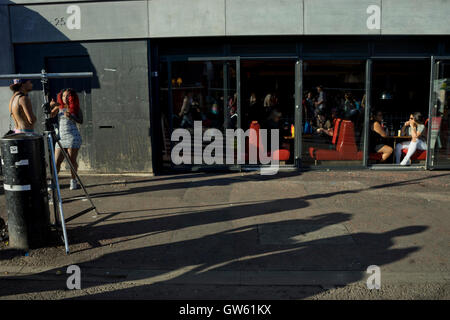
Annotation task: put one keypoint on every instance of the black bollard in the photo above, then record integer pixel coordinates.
(25, 185)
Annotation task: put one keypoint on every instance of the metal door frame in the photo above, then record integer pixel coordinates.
(433, 76)
(298, 100)
(327, 57)
(169, 60)
(369, 71)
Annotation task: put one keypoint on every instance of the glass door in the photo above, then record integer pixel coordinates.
(333, 110)
(438, 133)
(268, 90)
(199, 102)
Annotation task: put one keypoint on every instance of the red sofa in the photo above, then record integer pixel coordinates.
(280, 155)
(345, 145)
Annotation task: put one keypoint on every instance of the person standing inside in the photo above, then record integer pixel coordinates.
(309, 108)
(321, 100)
(20, 108)
(67, 109)
(186, 113)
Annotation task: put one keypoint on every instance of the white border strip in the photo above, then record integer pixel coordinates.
(17, 187)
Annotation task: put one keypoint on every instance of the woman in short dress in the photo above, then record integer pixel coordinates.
(377, 142)
(67, 109)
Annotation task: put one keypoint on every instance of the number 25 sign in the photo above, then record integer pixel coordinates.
(73, 21)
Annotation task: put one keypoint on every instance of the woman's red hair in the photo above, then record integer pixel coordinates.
(72, 101)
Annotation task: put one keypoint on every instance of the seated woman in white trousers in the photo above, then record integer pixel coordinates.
(416, 129)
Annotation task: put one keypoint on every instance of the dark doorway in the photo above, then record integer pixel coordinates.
(399, 89)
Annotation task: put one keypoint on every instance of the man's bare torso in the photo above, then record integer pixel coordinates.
(16, 107)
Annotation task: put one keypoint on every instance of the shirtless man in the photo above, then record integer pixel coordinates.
(20, 106)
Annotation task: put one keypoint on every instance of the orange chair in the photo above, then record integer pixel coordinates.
(344, 141)
(345, 145)
(280, 155)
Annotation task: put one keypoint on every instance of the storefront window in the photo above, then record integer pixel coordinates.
(268, 102)
(399, 102)
(440, 136)
(333, 112)
(203, 94)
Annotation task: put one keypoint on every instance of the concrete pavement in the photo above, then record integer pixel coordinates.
(294, 235)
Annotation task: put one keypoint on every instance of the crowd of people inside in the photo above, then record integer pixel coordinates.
(320, 112)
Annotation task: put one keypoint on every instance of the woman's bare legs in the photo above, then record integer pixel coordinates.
(73, 153)
(59, 158)
(386, 151)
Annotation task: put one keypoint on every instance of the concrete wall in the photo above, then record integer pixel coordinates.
(264, 17)
(115, 101)
(190, 18)
(415, 17)
(6, 67)
(181, 18)
(80, 21)
(331, 17)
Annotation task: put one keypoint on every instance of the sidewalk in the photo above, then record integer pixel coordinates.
(310, 234)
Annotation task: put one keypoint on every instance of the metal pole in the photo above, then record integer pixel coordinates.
(76, 175)
(56, 185)
(47, 75)
(367, 111)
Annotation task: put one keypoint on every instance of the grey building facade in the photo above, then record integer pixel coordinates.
(147, 54)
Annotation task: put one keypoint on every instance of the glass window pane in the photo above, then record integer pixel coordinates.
(198, 94)
(333, 112)
(440, 136)
(399, 102)
(268, 102)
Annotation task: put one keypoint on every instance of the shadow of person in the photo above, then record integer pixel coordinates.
(204, 259)
(214, 180)
(93, 233)
(252, 253)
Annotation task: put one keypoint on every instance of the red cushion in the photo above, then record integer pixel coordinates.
(323, 154)
(418, 155)
(375, 156)
(312, 152)
(281, 155)
(337, 123)
(345, 144)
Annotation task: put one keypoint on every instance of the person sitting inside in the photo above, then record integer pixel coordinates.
(322, 130)
(274, 123)
(322, 125)
(416, 129)
(377, 135)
